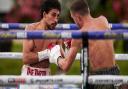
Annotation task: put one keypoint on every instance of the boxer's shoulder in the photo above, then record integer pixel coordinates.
(102, 22)
(103, 19)
(32, 26)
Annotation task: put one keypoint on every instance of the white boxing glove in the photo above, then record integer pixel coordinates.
(54, 54)
(43, 54)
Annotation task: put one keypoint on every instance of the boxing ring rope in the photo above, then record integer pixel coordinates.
(64, 26)
(63, 34)
(108, 79)
(9, 80)
(19, 55)
(101, 79)
(61, 79)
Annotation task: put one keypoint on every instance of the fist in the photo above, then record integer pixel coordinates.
(55, 53)
(67, 43)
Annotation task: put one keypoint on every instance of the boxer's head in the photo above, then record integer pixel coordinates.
(50, 11)
(78, 9)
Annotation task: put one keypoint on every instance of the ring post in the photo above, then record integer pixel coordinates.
(85, 61)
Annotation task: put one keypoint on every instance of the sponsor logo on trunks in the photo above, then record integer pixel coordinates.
(35, 72)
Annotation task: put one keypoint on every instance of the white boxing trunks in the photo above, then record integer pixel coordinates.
(31, 71)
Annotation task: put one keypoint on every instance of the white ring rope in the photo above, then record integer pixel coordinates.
(108, 79)
(62, 79)
(11, 55)
(18, 55)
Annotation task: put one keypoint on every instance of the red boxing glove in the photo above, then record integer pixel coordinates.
(67, 43)
(51, 45)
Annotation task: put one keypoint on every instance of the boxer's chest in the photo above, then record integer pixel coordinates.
(43, 44)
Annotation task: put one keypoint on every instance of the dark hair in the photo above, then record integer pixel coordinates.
(47, 5)
(80, 6)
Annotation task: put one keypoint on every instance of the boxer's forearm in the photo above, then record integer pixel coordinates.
(62, 63)
(30, 58)
(66, 63)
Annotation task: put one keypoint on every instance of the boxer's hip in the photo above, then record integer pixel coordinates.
(32, 71)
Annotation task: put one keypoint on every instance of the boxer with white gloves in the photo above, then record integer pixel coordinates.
(35, 51)
(52, 54)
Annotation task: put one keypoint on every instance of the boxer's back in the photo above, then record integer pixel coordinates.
(101, 52)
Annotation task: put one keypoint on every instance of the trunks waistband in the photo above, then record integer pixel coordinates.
(113, 70)
(32, 71)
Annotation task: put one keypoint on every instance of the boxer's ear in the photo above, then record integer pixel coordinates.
(79, 18)
(44, 14)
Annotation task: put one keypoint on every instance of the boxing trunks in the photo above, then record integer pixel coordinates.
(32, 71)
(105, 71)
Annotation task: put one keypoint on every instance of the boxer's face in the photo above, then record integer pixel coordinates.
(51, 18)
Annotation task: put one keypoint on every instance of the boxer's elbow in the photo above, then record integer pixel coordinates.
(26, 59)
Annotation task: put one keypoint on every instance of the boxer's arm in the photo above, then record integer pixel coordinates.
(60, 42)
(29, 56)
(65, 63)
(67, 45)
(106, 26)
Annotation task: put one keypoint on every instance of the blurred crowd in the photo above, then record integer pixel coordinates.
(24, 11)
(28, 10)
(115, 10)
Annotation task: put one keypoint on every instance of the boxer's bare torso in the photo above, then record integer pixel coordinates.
(101, 52)
(37, 45)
